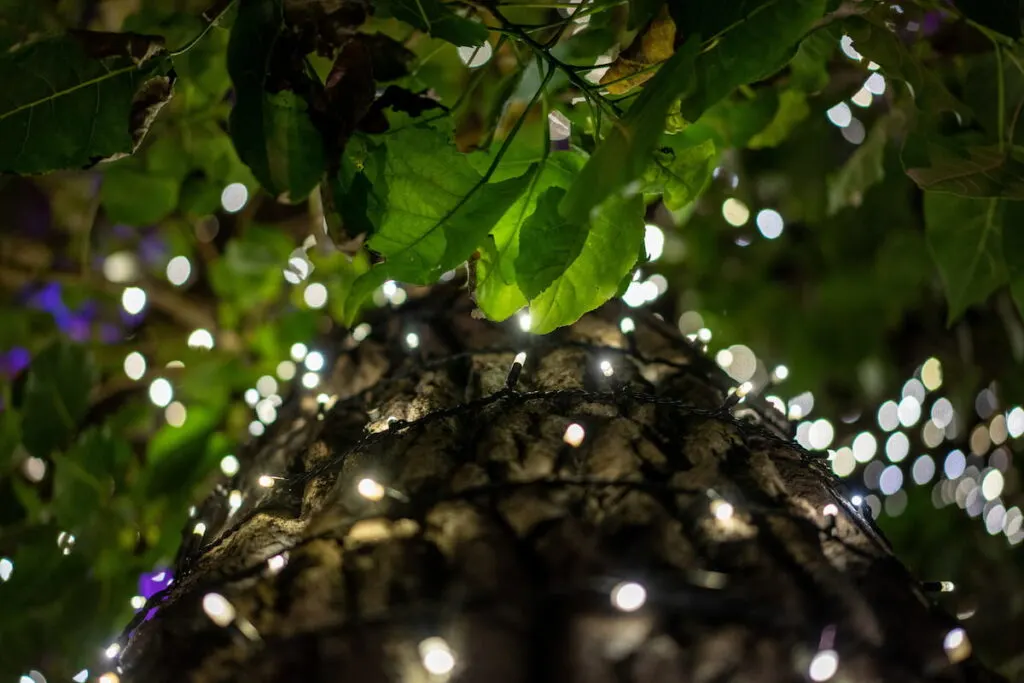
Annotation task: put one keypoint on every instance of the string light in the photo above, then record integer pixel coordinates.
(830, 510)
(135, 365)
(310, 380)
(277, 563)
(200, 339)
(628, 596)
(199, 529)
(160, 392)
(178, 270)
(722, 510)
(371, 490)
(6, 569)
(112, 650)
(234, 501)
(137, 602)
(626, 325)
(176, 414)
(298, 352)
(314, 361)
(574, 434)
(233, 197)
(823, 666)
(315, 295)
(524, 321)
(606, 368)
(361, 332)
(957, 645)
(217, 607)
(412, 340)
(266, 481)
(81, 677)
(110, 677)
(286, 370)
(437, 657)
(133, 300)
(229, 465)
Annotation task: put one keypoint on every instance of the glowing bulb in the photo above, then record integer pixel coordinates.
(176, 414)
(857, 501)
(266, 481)
(112, 650)
(780, 373)
(315, 295)
(606, 368)
(6, 568)
(474, 56)
(735, 212)
(574, 434)
(840, 115)
(235, 500)
(823, 666)
(199, 529)
(412, 340)
(946, 586)
(437, 656)
(992, 484)
(520, 358)
(121, 266)
(110, 677)
(370, 489)
(229, 465)
(286, 370)
(137, 602)
(722, 510)
(252, 397)
(628, 596)
(233, 197)
(276, 563)
(524, 321)
(178, 270)
(654, 242)
(133, 300)
(161, 392)
(957, 645)
(135, 365)
(298, 352)
(200, 339)
(310, 380)
(315, 361)
(361, 332)
(81, 677)
(830, 510)
(770, 223)
(266, 385)
(626, 325)
(217, 607)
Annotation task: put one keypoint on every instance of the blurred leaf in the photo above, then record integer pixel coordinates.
(642, 11)
(885, 48)
(653, 46)
(56, 397)
(85, 477)
(624, 154)
(135, 196)
(178, 456)
(497, 293)
(964, 238)
(734, 121)
(680, 172)
(809, 68)
(270, 122)
(434, 18)
(792, 110)
(942, 165)
(549, 245)
(72, 101)
(1002, 16)
(864, 168)
(438, 211)
(609, 253)
(1013, 250)
(752, 48)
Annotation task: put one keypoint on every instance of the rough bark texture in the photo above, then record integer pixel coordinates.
(505, 540)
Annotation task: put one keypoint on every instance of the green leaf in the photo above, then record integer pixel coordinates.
(965, 241)
(438, 207)
(549, 244)
(86, 476)
(433, 17)
(809, 68)
(609, 253)
(72, 101)
(642, 11)
(270, 122)
(864, 168)
(792, 110)
(1013, 250)
(56, 397)
(681, 170)
(942, 165)
(624, 154)
(750, 49)
(885, 48)
(134, 196)
(497, 293)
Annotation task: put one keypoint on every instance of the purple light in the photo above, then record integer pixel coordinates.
(151, 583)
(14, 361)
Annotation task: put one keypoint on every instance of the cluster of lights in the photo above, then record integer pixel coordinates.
(841, 115)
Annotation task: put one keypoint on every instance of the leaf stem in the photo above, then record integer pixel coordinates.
(212, 15)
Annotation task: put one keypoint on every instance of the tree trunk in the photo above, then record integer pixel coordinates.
(508, 538)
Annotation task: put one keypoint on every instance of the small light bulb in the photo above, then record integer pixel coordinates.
(234, 501)
(112, 650)
(110, 677)
(137, 602)
(606, 368)
(626, 325)
(199, 529)
(412, 340)
(946, 586)
(266, 481)
(823, 666)
(217, 607)
(525, 321)
(229, 465)
(722, 510)
(629, 596)
(371, 490)
(277, 563)
(957, 645)
(830, 510)
(81, 677)
(574, 434)
(520, 358)
(437, 656)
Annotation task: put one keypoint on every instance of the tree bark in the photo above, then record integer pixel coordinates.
(507, 541)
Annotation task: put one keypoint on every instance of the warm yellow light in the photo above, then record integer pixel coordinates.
(217, 607)
(370, 489)
(722, 510)
(574, 434)
(823, 666)
(266, 481)
(628, 596)
(437, 656)
(735, 212)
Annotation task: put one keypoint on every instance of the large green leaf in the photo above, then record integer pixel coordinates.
(72, 101)
(943, 165)
(133, 196)
(439, 208)
(56, 397)
(752, 48)
(885, 48)
(270, 122)
(965, 240)
(436, 19)
(86, 476)
(609, 253)
(681, 170)
(497, 293)
(793, 109)
(626, 151)
(549, 244)
(864, 168)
